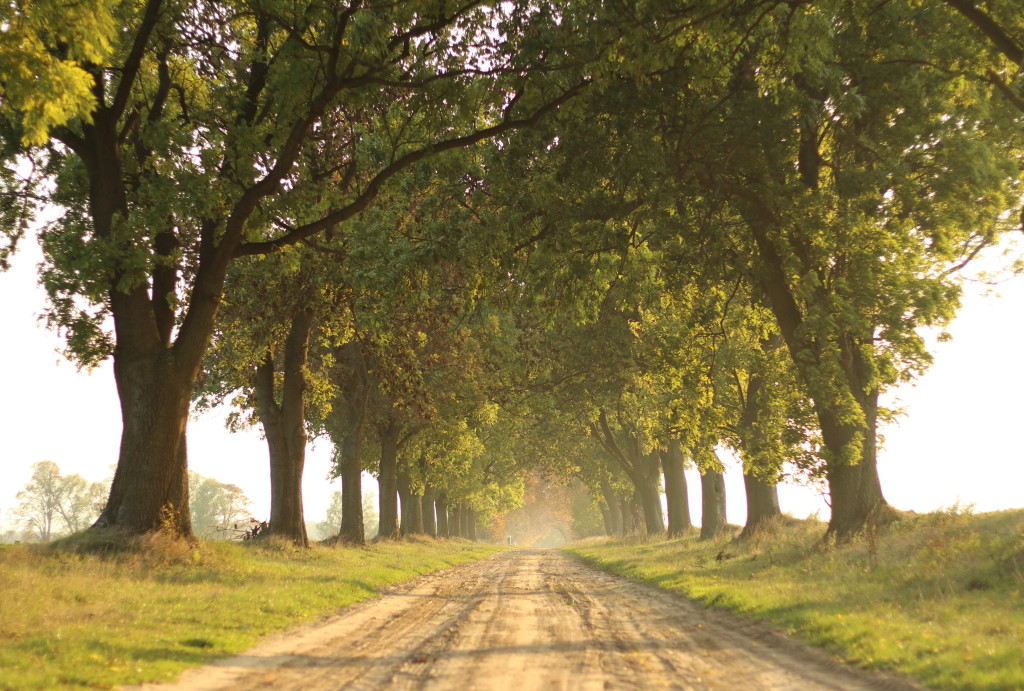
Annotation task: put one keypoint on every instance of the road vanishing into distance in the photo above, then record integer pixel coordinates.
(531, 619)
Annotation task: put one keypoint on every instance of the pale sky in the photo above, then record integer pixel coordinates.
(957, 443)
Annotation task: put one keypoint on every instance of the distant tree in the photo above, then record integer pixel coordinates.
(52, 503)
(331, 525)
(215, 506)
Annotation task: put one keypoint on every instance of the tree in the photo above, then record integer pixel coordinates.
(206, 146)
(216, 508)
(52, 503)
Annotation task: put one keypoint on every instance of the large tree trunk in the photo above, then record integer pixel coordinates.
(441, 503)
(855, 490)
(388, 479)
(149, 491)
(676, 499)
(712, 515)
(350, 422)
(284, 427)
(854, 487)
(429, 519)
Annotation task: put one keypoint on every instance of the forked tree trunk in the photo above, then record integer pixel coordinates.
(855, 489)
(676, 499)
(441, 504)
(388, 479)
(712, 515)
(429, 518)
(284, 427)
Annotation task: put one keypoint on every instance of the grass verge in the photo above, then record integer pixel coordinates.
(69, 619)
(939, 597)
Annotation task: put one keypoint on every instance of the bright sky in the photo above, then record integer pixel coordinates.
(958, 441)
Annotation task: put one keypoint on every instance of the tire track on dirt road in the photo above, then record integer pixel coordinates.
(529, 619)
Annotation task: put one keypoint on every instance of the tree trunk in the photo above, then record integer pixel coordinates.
(676, 499)
(150, 487)
(650, 502)
(762, 494)
(614, 508)
(471, 524)
(429, 518)
(712, 515)
(415, 514)
(404, 484)
(762, 503)
(388, 479)
(441, 503)
(855, 489)
(455, 520)
(348, 421)
(464, 522)
(284, 427)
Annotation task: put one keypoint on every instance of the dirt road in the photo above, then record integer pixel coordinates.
(531, 619)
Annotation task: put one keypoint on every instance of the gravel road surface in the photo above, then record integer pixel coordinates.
(531, 619)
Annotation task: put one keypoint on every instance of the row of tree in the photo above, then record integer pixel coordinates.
(474, 241)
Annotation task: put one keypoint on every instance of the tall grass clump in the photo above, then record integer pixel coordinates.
(938, 596)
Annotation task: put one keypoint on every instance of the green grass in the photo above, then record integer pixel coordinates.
(939, 597)
(69, 619)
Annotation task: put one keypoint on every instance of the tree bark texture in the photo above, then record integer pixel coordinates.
(349, 420)
(429, 517)
(388, 479)
(712, 515)
(762, 503)
(613, 507)
(676, 499)
(441, 504)
(284, 427)
(404, 483)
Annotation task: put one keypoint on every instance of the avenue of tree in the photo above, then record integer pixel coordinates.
(476, 244)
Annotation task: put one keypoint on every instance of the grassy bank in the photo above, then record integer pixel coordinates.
(71, 620)
(939, 597)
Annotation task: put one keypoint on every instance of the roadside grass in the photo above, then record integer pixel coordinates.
(939, 597)
(74, 619)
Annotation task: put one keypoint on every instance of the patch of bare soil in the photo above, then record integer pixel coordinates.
(531, 619)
